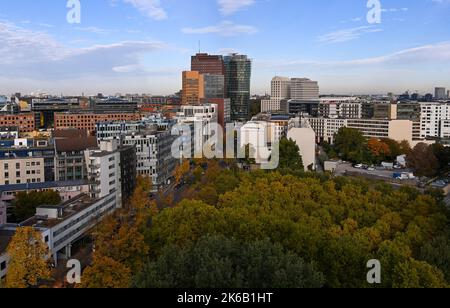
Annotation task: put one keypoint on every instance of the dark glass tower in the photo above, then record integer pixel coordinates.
(237, 80)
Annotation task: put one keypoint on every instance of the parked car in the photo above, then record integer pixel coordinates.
(358, 166)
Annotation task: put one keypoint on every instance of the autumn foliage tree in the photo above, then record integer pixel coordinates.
(379, 149)
(423, 160)
(28, 263)
(120, 243)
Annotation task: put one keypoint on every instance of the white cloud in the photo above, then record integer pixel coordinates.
(228, 7)
(37, 55)
(423, 55)
(226, 28)
(346, 35)
(150, 8)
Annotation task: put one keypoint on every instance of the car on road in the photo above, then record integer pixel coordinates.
(371, 169)
(358, 166)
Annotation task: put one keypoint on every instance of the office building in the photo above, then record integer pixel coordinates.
(193, 87)
(237, 80)
(45, 109)
(281, 88)
(303, 89)
(208, 64)
(214, 86)
(295, 107)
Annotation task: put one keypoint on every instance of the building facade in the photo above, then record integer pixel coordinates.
(24, 121)
(193, 87)
(22, 170)
(88, 120)
(208, 64)
(237, 80)
(303, 89)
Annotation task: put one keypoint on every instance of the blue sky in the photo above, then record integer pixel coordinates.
(141, 46)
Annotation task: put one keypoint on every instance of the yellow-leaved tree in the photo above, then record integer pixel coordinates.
(28, 263)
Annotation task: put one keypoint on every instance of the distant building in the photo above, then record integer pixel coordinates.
(440, 93)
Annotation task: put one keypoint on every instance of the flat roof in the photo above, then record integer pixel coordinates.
(69, 208)
(37, 186)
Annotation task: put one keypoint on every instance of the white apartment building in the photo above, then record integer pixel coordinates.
(104, 173)
(22, 170)
(431, 117)
(303, 89)
(201, 117)
(445, 129)
(398, 130)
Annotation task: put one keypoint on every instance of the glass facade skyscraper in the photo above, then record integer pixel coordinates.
(237, 80)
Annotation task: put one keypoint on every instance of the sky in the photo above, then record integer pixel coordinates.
(142, 46)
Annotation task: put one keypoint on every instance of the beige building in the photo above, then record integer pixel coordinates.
(22, 170)
(305, 138)
(193, 87)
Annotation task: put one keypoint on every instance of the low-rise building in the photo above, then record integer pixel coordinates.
(66, 190)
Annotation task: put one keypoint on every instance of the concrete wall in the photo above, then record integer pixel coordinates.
(400, 130)
(306, 141)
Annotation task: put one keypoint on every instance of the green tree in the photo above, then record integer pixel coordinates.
(290, 157)
(351, 145)
(25, 204)
(219, 262)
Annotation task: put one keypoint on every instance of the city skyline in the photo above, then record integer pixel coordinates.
(142, 46)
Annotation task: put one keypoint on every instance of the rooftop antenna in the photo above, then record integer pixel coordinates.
(199, 46)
